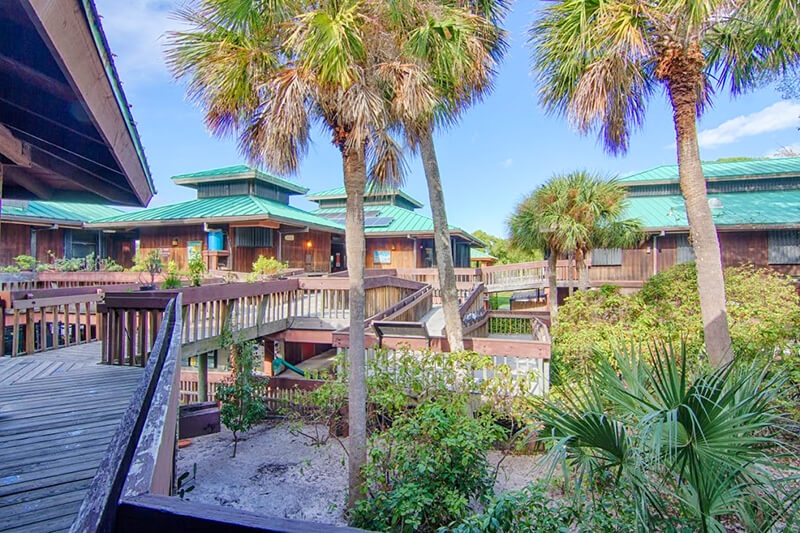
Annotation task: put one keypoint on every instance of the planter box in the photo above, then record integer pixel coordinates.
(198, 419)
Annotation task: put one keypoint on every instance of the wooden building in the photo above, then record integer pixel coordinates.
(47, 230)
(239, 213)
(397, 236)
(755, 205)
(481, 258)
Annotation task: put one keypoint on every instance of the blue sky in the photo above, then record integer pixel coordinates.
(502, 149)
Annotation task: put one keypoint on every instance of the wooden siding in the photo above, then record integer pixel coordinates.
(401, 248)
(738, 248)
(17, 241)
(161, 238)
(298, 255)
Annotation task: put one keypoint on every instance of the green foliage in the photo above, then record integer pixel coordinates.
(574, 212)
(185, 483)
(504, 251)
(763, 312)
(25, 262)
(264, 267)
(197, 269)
(9, 268)
(173, 280)
(536, 508)
(148, 262)
(704, 444)
(427, 469)
(241, 406)
(109, 265)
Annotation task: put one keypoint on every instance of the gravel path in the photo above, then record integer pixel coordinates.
(278, 474)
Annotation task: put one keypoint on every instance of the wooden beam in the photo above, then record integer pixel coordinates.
(36, 78)
(81, 177)
(14, 149)
(255, 224)
(20, 178)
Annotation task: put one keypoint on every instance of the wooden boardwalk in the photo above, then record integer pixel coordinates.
(58, 412)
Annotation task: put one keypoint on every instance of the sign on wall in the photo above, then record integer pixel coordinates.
(383, 257)
(194, 247)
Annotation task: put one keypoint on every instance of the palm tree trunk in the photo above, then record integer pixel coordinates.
(552, 283)
(441, 236)
(570, 271)
(703, 233)
(355, 180)
(583, 270)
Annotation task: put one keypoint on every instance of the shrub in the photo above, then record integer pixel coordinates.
(427, 469)
(264, 267)
(9, 268)
(241, 406)
(763, 312)
(700, 443)
(172, 281)
(197, 268)
(109, 265)
(148, 262)
(25, 262)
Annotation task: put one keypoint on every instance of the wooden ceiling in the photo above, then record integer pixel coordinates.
(63, 134)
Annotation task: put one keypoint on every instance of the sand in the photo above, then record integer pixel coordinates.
(279, 474)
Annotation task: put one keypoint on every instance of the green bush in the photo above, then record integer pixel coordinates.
(9, 268)
(241, 406)
(172, 281)
(25, 262)
(197, 269)
(427, 469)
(763, 312)
(109, 265)
(263, 267)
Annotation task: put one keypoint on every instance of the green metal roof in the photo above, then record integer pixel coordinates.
(229, 207)
(56, 211)
(403, 221)
(477, 253)
(243, 171)
(769, 208)
(726, 169)
(340, 192)
(101, 43)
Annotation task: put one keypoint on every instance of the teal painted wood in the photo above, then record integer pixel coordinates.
(755, 167)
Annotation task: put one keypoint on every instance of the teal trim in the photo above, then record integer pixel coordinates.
(372, 190)
(223, 207)
(725, 169)
(101, 43)
(238, 170)
(66, 211)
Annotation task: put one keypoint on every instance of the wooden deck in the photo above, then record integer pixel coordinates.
(58, 412)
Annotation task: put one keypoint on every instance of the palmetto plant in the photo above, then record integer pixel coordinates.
(600, 61)
(266, 72)
(705, 443)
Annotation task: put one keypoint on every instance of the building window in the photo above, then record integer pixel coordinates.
(685, 252)
(607, 257)
(784, 247)
(253, 237)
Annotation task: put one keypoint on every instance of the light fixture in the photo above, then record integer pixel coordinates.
(309, 244)
(174, 241)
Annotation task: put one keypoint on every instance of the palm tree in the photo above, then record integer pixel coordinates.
(599, 62)
(456, 45)
(573, 214)
(265, 71)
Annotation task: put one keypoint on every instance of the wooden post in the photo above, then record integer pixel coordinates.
(30, 337)
(202, 377)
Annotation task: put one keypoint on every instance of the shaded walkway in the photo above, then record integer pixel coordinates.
(58, 412)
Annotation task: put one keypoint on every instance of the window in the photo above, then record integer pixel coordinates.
(253, 237)
(607, 257)
(784, 247)
(685, 252)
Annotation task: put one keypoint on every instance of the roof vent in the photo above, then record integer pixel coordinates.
(715, 203)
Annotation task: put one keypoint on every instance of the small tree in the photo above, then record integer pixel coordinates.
(240, 405)
(197, 268)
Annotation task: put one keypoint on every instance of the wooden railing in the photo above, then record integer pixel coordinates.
(247, 310)
(131, 490)
(410, 309)
(46, 319)
(12, 281)
(276, 391)
(515, 323)
(473, 311)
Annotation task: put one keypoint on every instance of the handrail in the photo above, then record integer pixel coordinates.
(135, 452)
(403, 305)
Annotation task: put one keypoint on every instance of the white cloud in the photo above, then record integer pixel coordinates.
(779, 116)
(507, 163)
(135, 31)
(784, 151)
